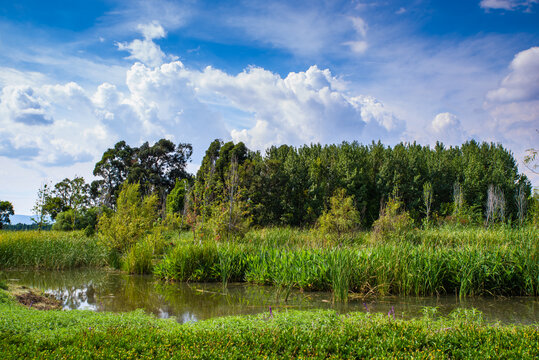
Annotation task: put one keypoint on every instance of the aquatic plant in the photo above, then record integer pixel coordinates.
(324, 334)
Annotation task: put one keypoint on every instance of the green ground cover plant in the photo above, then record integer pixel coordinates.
(29, 333)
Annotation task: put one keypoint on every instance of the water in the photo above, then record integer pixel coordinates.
(100, 290)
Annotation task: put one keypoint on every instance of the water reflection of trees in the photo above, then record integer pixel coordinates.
(113, 291)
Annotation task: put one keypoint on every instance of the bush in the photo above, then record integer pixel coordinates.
(85, 219)
(132, 221)
(342, 217)
(227, 222)
(393, 223)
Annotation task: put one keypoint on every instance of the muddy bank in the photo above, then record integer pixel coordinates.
(35, 299)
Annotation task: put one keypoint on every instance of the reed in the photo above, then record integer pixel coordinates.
(419, 268)
(49, 250)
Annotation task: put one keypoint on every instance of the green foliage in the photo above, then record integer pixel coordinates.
(6, 209)
(321, 334)
(533, 213)
(40, 206)
(133, 219)
(49, 250)
(155, 167)
(176, 198)
(342, 217)
(394, 222)
(85, 219)
(139, 259)
(427, 200)
(449, 260)
(228, 222)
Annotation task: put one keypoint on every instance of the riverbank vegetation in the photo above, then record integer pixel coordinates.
(370, 219)
(30, 333)
(50, 250)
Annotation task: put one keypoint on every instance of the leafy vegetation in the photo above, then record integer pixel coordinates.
(423, 262)
(27, 333)
(126, 230)
(6, 209)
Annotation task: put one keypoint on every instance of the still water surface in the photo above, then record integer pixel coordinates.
(100, 290)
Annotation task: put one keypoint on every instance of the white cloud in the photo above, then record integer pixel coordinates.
(146, 50)
(360, 26)
(358, 47)
(522, 83)
(446, 127)
(514, 105)
(22, 105)
(400, 11)
(152, 30)
(304, 107)
(62, 113)
(507, 4)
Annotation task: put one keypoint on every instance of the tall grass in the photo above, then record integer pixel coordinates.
(477, 264)
(49, 250)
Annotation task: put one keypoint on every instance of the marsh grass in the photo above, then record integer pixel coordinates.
(50, 250)
(477, 264)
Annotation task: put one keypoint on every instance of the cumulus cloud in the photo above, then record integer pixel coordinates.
(57, 142)
(166, 99)
(22, 105)
(522, 83)
(11, 150)
(446, 127)
(514, 105)
(146, 50)
(304, 107)
(510, 5)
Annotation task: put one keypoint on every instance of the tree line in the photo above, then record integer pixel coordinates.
(293, 185)
(287, 185)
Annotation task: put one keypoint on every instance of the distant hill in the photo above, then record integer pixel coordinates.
(21, 219)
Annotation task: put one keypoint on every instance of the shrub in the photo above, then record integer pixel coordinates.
(131, 222)
(394, 222)
(342, 217)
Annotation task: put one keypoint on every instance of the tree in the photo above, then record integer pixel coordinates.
(154, 167)
(157, 167)
(177, 197)
(68, 195)
(342, 217)
(114, 168)
(427, 198)
(521, 202)
(134, 218)
(495, 205)
(39, 209)
(531, 160)
(6, 209)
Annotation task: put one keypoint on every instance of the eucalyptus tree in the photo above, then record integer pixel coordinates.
(6, 209)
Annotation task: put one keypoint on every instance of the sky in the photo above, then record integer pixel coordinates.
(78, 76)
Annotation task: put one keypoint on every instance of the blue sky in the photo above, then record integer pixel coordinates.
(76, 77)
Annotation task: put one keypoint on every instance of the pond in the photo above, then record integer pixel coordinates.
(100, 290)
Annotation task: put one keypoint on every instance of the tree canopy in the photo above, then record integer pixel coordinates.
(6, 209)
